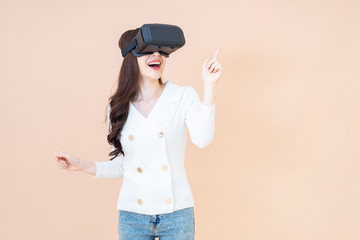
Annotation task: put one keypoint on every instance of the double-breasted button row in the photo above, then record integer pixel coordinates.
(164, 168)
(168, 201)
(131, 136)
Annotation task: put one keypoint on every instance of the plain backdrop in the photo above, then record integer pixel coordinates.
(284, 163)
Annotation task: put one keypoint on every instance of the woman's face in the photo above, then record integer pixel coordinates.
(154, 70)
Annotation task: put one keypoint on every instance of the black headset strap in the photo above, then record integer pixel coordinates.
(129, 47)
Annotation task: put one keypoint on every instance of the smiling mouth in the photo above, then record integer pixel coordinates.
(155, 66)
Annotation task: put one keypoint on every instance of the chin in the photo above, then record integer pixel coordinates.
(156, 77)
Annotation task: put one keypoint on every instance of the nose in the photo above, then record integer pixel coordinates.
(156, 53)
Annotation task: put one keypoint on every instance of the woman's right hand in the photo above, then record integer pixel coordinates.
(67, 161)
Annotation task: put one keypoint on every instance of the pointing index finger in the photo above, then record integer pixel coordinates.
(217, 52)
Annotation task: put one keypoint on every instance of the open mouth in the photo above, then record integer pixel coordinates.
(154, 65)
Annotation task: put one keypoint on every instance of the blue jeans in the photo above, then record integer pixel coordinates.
(178, 225)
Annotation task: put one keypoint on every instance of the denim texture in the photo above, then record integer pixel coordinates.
(178, 225)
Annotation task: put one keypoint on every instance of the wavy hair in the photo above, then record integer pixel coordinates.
(127, 89)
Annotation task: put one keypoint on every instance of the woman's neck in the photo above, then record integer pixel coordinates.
(149, 90)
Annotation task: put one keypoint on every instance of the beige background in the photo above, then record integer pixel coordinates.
(284, 163)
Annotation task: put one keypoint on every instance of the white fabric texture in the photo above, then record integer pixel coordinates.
(153, 172)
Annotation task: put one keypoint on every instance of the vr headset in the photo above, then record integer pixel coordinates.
(162, 38)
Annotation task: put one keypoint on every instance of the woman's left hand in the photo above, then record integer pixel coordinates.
(212, 70)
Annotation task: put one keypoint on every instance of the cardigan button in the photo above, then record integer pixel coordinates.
(169, 200)
(139, 170)
(139, 201)
(165, 168)
(131, 137)
(161, 134)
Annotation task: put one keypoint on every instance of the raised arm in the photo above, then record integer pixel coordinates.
(200, 116)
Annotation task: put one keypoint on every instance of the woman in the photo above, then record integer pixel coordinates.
(147, 122)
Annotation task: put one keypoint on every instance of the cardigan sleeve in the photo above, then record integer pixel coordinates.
(113, 168)
(199, 118)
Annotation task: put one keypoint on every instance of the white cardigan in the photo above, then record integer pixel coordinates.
(153, 172)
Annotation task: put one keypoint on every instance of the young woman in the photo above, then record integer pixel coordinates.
(147, 121)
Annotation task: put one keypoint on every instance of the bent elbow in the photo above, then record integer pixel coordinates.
(203, 142)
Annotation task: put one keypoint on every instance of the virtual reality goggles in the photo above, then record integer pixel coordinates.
(162, 38)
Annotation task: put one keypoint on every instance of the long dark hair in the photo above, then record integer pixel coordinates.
(127, 89)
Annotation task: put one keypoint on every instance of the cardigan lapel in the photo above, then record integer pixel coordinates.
(162, 110)
(134, 118)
